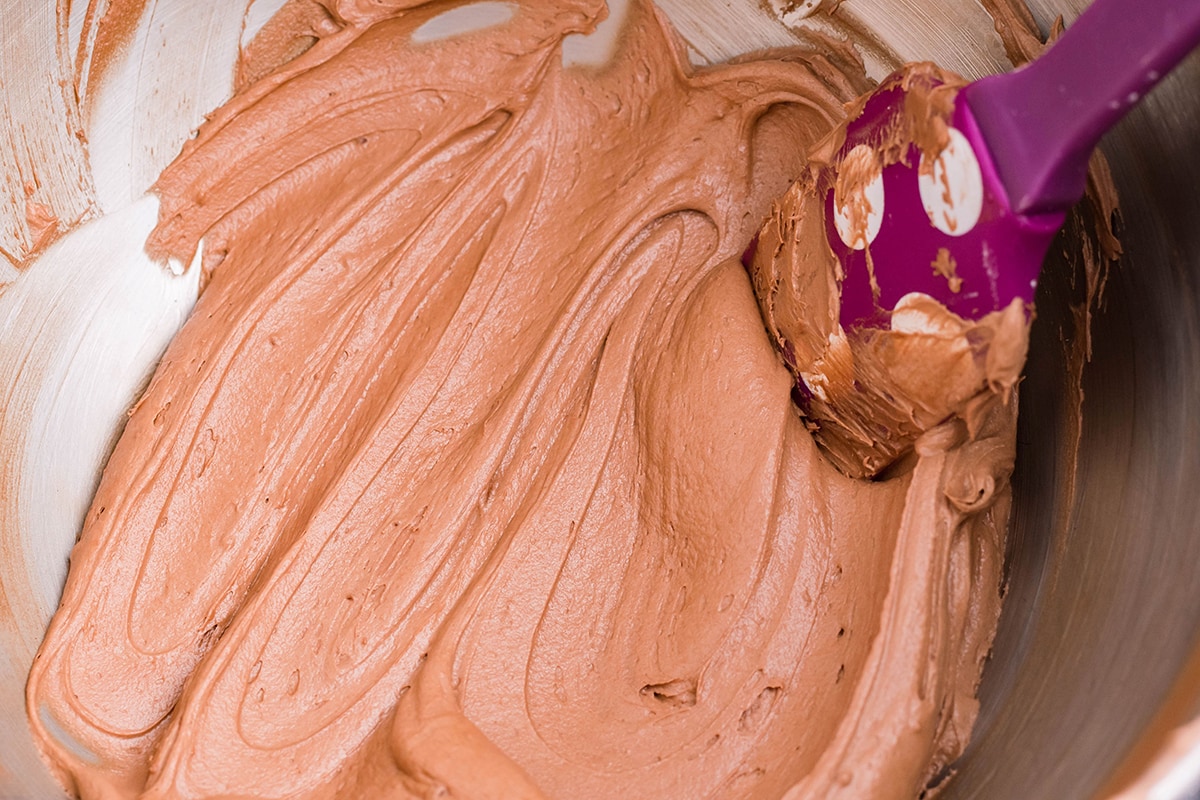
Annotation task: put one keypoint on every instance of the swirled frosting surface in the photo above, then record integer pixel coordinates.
(475, 472)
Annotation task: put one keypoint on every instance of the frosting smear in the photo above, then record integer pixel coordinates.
(475, 473)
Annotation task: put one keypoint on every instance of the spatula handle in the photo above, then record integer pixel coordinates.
(1042, 122)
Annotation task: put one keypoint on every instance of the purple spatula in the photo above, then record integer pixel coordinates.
(982, 208)
(1021, 151)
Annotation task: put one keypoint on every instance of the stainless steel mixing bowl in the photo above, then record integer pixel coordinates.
(1097, 656)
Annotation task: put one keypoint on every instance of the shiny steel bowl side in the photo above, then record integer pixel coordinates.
(1096, 658)
(1097, 655)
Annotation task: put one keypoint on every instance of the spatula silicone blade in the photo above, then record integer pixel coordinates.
(953, 193)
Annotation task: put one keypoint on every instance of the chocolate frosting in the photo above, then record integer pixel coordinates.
(475, 471)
